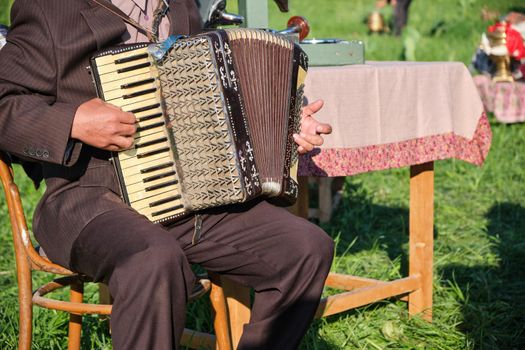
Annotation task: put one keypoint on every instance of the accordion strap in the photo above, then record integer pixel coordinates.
(153, 33)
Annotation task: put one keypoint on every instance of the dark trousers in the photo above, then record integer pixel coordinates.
(147, 267)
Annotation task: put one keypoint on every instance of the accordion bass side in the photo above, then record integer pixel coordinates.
(215, 119)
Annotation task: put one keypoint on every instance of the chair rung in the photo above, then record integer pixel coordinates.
(71, 307)
(201, 288)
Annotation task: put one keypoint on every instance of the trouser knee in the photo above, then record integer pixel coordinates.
(319, 249)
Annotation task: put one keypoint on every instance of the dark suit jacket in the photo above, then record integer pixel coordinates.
(43, 80)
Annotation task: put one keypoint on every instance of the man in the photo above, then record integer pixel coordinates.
(49, 116)
(400, 15)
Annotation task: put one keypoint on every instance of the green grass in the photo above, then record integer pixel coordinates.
(4, 11)
(479, 274)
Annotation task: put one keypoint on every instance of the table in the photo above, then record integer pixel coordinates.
(505, 100)
(388, 115)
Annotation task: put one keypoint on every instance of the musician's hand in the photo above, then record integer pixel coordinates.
(103, 125)
(311, 129)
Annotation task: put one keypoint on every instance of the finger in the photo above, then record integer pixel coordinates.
(127, 118)
(301, 150)
(123, 143)
(112, 148)
(121, 129)
(323, 128)
(313, 107)
(303, 143)
(126, 130)
(313, 139)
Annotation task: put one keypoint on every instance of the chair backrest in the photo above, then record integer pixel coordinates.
(27, 258)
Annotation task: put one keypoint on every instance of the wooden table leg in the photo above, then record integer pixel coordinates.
(421, 243)
(104, 297)
(325, 199)
(238, 299)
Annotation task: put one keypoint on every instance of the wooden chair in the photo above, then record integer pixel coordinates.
(29, 260)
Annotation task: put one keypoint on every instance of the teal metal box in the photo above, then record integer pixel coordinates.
(329, 53)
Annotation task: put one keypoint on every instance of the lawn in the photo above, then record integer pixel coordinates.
(479, 274)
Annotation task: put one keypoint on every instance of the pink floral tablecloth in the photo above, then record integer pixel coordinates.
(395, 114)
(351, 161)
(505, 100)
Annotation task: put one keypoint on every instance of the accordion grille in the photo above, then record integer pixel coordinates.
(194, 108)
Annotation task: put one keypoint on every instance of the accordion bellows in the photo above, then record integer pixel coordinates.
(215, 119)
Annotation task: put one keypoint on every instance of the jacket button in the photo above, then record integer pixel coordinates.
(31, 151)
(45, 154)
(39, 152)
(25, 150)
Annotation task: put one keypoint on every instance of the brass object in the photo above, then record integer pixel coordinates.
(298, 24)
(376, 22)
(296, 30)
(499, 55)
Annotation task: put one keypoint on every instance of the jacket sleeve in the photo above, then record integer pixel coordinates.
(33, 124)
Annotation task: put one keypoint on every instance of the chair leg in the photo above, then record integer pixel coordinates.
(221, 322)
(25, 303)
(75, 321)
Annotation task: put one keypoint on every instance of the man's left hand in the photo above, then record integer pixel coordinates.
(311, 129)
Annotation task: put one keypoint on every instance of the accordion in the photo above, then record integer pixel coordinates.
(215, 119)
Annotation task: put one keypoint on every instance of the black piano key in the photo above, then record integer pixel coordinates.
(149, 117)
(160, 212)
(135, 67)
(152, 142)
(146, 108)
(131, 58)
(139, 93)
(151, 153)
(156, 167)
(165, 200)
(157, 177)
(137, 83)
(164, 184)
(147, 127)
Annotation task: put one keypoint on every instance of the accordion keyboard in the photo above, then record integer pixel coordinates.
(130, 81)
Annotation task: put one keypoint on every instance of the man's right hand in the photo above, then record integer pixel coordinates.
(103, 125)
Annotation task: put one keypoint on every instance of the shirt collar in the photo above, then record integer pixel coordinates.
(127, 5)
(141, 4)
